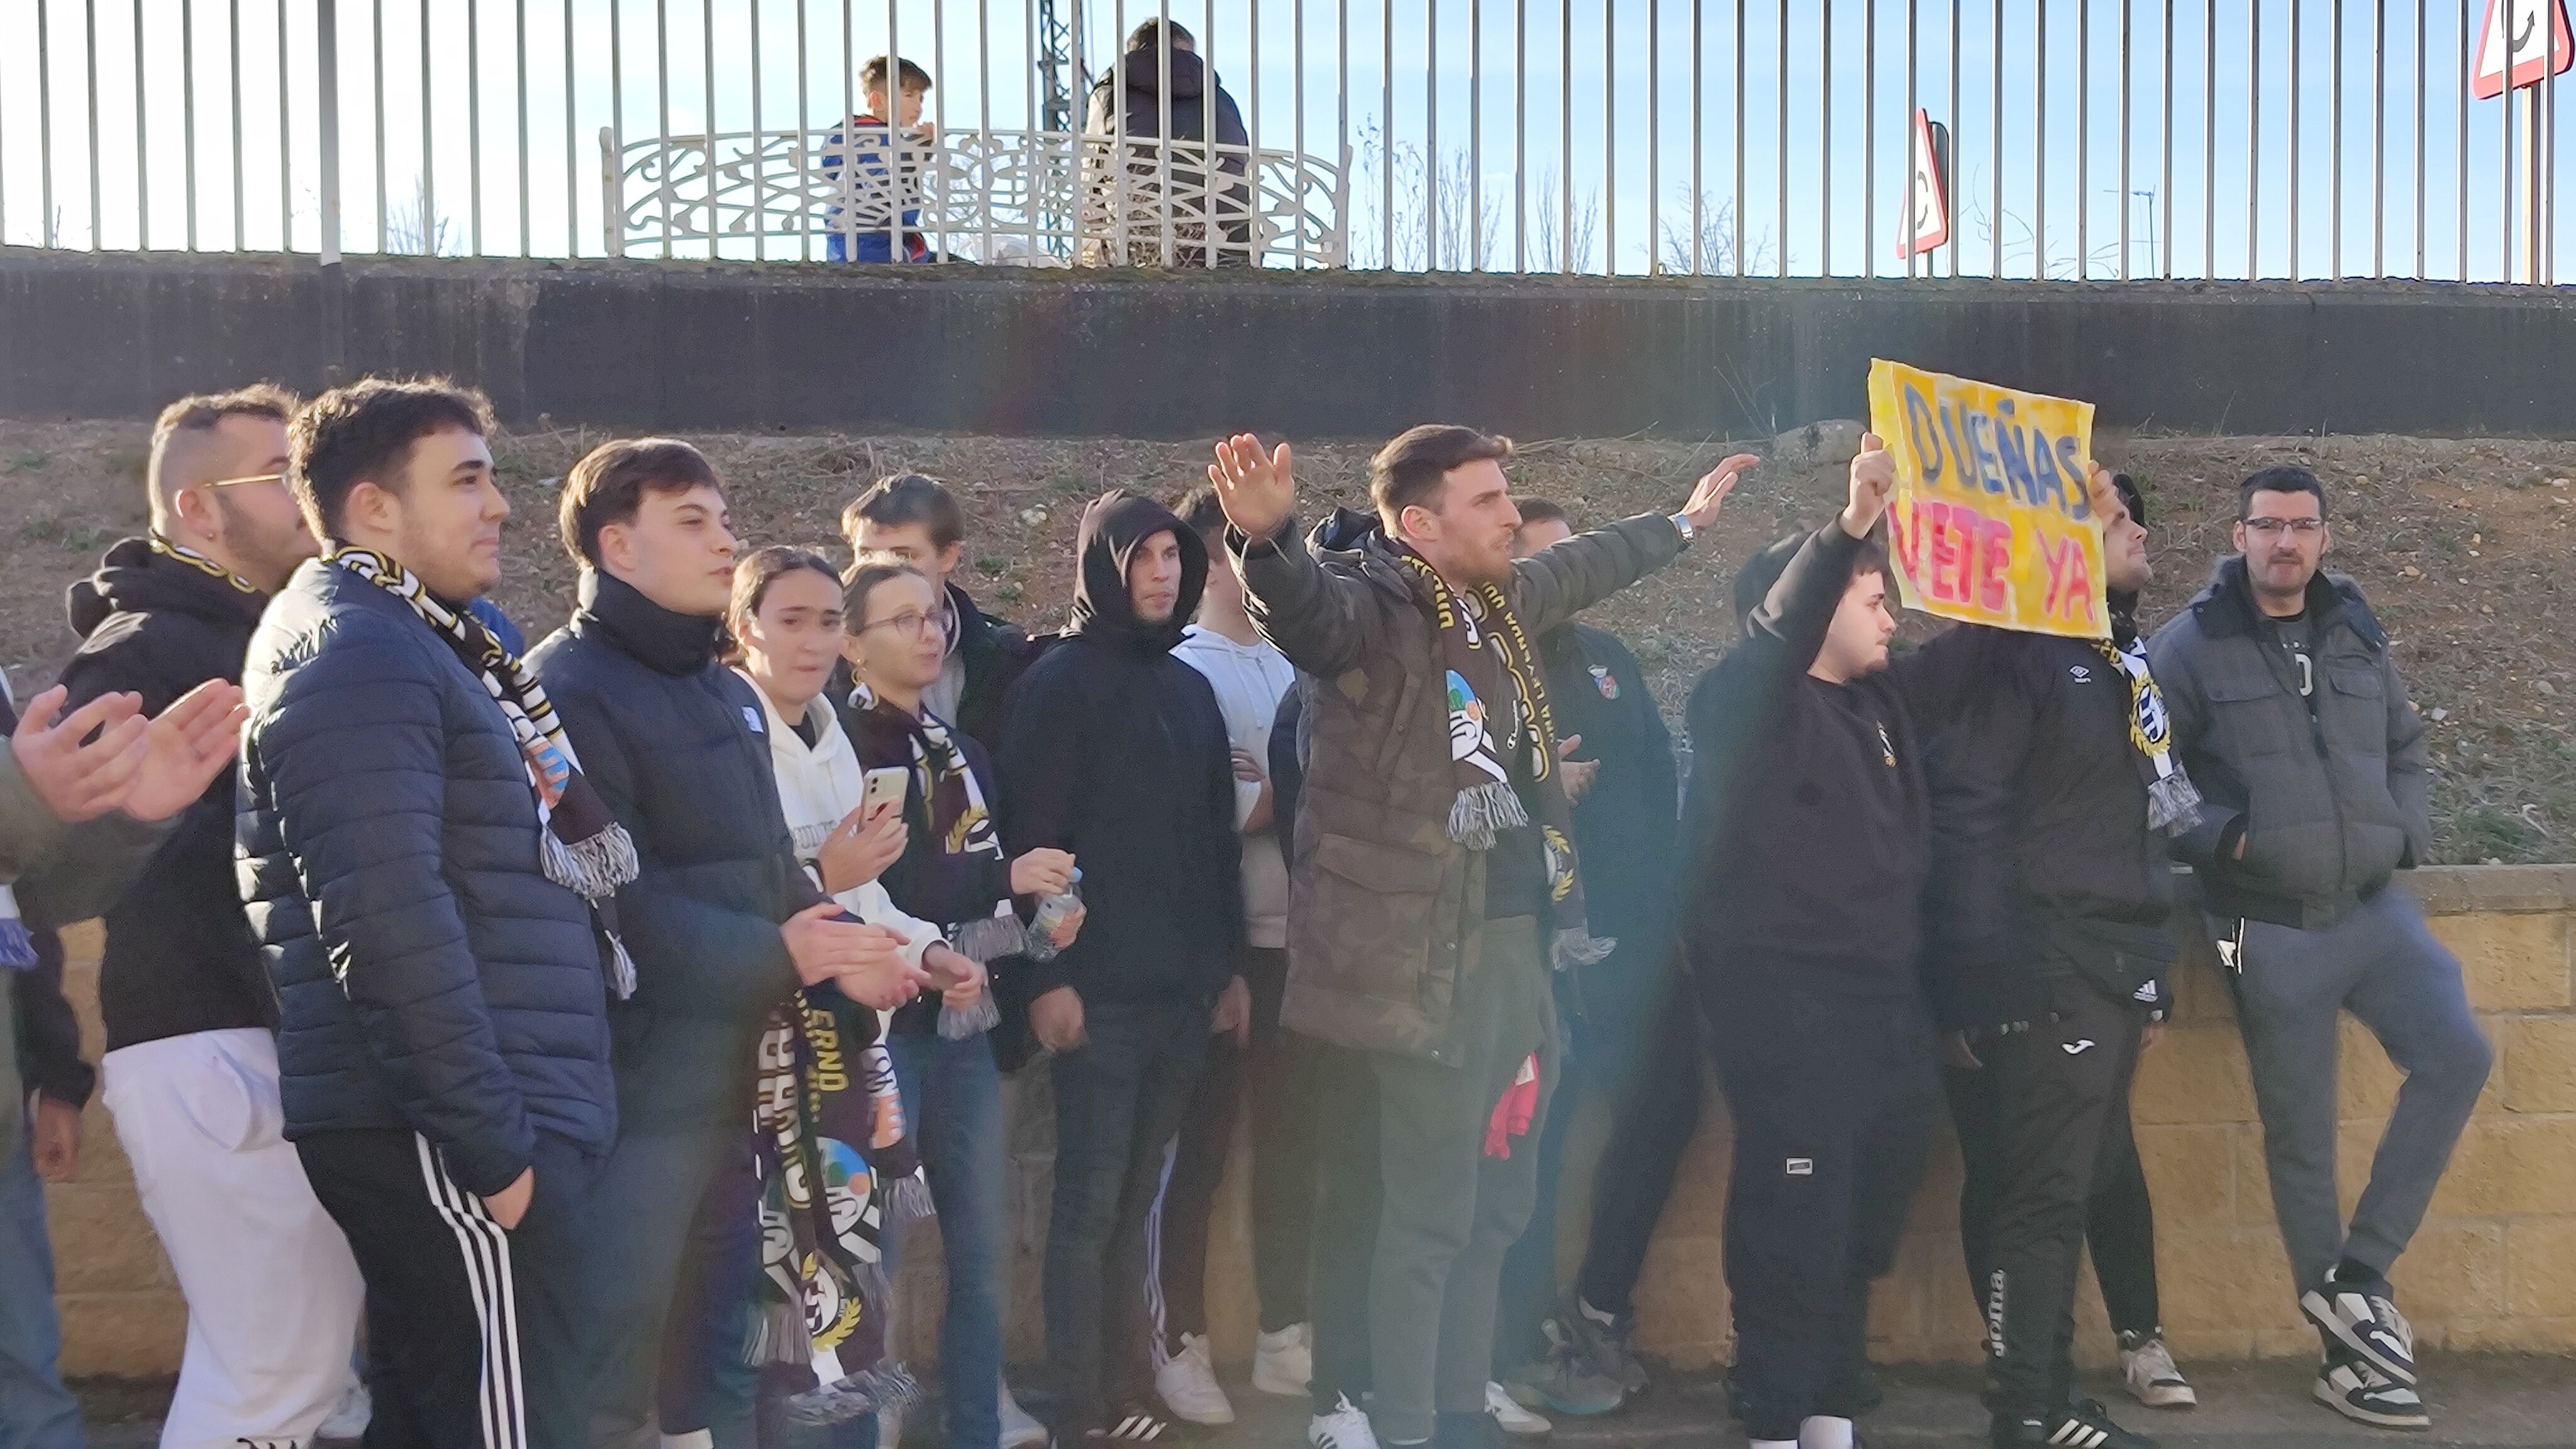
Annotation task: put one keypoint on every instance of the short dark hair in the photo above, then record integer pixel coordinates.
(1150, 34)
(609, 483)
(903, 499)
(1409, 469)
(1542, 510)
(752, 577)
(872, 76)
(1761, 572)
(200, 413)
(2285, 478)
(1201, 510)
(364, 431)
(871, 570)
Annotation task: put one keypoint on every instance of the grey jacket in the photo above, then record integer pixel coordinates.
(1385, 910)
(2330, 792)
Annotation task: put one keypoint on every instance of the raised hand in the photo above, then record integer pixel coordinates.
(1258, 491)
(1710, 493)
(2105, 494)
(192, 742)
(1873, 482)
(80, 781)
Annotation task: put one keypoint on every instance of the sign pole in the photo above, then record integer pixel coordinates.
(2528, 182)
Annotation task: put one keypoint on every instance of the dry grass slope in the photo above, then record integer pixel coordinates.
(2463, 547)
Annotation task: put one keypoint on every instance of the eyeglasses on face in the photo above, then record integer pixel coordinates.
(2271, 527)
(910, 622)
(245, 478)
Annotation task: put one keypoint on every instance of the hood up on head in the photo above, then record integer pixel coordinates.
(1103, 612)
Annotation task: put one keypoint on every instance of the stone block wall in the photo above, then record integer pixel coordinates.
(2493, 1267)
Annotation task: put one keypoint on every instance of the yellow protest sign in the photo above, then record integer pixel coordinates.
(1990, 523)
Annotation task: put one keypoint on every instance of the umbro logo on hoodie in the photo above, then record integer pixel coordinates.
(2082, 674)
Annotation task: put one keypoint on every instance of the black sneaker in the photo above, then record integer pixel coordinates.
(2363, 1320)
(2081, 1425)
(1143, 1426)
(2364, 1395)
(1604, 1346)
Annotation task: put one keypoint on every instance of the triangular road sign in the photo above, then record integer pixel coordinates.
(2521, 42)
(1927, 190)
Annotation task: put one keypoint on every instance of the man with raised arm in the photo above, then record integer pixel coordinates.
(1433, 889)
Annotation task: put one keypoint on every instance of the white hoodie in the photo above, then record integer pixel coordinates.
(818, 786)
(1248, 680)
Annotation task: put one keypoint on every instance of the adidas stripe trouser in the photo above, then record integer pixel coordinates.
(471, 1329)
(2057, 1090)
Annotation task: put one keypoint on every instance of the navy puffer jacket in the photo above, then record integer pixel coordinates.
(429, 975)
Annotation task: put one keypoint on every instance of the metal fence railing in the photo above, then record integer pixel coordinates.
(2070, 139)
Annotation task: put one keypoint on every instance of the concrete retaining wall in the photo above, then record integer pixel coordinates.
(734, 346)
(2493, 1267)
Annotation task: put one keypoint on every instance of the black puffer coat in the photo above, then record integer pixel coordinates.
(672, 739)
(179, 956)
(429, 975)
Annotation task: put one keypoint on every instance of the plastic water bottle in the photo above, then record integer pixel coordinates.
(1053, 911)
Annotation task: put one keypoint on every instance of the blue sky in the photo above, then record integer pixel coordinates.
(1630, 161)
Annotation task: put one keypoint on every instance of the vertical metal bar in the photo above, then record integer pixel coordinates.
(188, 104)
(1431, 135)
(326, 46)
(2253, 137)
(1736, 217)
(707, 91)
(2165, 125)
(2505, 177)
(1297, 111)
(2039, 144)
(520, 39)
(2334, 143)
(2083, 139)
(930, 169)
(1825, 134)
(612, 220)
(984, 106)
(89, 59)
(1995, 130)
(1475, 135)
(45, 227)
(2466, 10)
(474, 126)
(893, 132)
(1520, 135)
(572, 168)
(1958, 114)
(240, 209)
(1654, 128)
(662, 101)
(1699, 214)
(1781, 169)
(1386, 126)
(285, 142)
(1565, 136)
(142, 156)
(2209, 142)
(1252, 154)
(1037, 170)
(2290, 53)
(1208, 45)
(759, 140)
(846, 225)
(2127, 18)
(376, 41)
(1869, 137)
(1913, 108)
(1342, 110)
(1609, 139)
(2418, 107)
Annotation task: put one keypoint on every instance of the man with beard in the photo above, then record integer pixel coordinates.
(2288, 711)
(2046, 933)
(1433, 890)
(1118, 753)
(273, 1295)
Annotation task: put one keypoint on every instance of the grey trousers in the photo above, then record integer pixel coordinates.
(2382, 965)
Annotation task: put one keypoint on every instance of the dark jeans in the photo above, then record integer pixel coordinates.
(1834, 1099)
(635, 1251)
(704, 1382)
(2053, 1099)
(1119, 1097)
(952, 1105)
(1277, 1073)
(1657, 1118)
(1414, 1219)
(473, 1331)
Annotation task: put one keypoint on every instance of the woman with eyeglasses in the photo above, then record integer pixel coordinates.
(953, 872)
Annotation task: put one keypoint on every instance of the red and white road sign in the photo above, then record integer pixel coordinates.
(1927, 203)
(2522, 42)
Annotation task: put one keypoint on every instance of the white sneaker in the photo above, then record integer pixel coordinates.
(1509, 1416)
(349, 1417)
(2147, 1367)
(2366, 1396)
(1020, 1429)
(1344, 1428)
(1187, 1383)
(1284, 1362)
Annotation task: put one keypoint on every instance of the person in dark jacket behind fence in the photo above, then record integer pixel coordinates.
(1627, 795)
(2288, 711)
(722, 923)
(1807, 822)
(86, 795)
(1129, 100)
(1117, 752)
(1434, 887)
(2046, 938)
(189, 1010)
(441, 966)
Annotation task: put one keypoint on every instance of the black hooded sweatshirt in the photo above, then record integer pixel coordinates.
(179, 957)
(1116, 751)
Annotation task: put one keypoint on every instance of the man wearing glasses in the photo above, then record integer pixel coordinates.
(191, 1068)
(2288, 713)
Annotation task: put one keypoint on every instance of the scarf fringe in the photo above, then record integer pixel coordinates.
(984, 1015)
(777, 1334)
(621, 966)
(888, 1389)
(1576, 946)
(595, 866)
(1483, 811)
(909, 1200)
(990, 939)
(2173, 802)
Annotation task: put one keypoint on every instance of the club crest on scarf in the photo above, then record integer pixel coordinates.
(2173, 802)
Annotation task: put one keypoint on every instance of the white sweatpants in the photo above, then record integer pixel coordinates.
(273, 1294)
